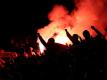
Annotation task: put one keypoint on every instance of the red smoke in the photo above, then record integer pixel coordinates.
(86, 13)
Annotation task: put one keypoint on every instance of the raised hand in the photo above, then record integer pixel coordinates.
(92, 27)
(66, 30)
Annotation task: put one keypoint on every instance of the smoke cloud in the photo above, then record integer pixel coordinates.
(91, 12)
(85, 14)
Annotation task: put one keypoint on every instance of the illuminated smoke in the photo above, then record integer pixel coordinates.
(85, 14)
(90, 12)
(60, 20)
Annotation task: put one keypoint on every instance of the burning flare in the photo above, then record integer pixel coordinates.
(86, 13)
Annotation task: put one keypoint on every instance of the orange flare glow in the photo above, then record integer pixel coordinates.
(59, 38)
(81, 18)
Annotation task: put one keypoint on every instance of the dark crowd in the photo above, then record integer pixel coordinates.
(85, 59)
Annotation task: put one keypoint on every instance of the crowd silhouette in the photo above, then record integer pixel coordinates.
(85, 59)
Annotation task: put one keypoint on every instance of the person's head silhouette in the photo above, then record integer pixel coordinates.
(75, 39)
(75, 36)
(51, 41)
(86, 34)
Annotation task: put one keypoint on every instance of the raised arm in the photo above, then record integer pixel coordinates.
(97, 31)
(69, 35)
(42, 40)
(80, 38)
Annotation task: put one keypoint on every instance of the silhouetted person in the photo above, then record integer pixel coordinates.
(87, 43)
(99, 34)
(75, 50)
(100, 40)
(87, 54)
(101, 49)
(73, 38)
(51, 45)
(52, 48)
(86, 35)
(54, 59)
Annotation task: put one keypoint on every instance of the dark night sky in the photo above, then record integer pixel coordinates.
(18, 18)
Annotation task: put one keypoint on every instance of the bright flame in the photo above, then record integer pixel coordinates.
(42, 48)
(59, 38)
(81, 18)
(62, 38)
